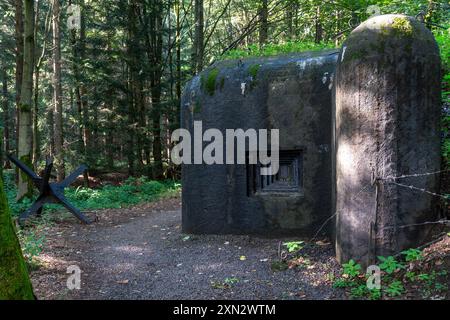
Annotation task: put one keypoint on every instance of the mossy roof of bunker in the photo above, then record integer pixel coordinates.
(253, 65)
(213, 77)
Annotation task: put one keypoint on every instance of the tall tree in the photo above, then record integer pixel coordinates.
(318, 26)
(198, 47)
(5, 97)
(18, 5)
(25, 138)
(156, 85)
(14, 280)
(263, 22)
(37, 73)
(57, 93)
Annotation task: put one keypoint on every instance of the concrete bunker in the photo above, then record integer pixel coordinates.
(388, 112)
(337, 147)
(291, 93)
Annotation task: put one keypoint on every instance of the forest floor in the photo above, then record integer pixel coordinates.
(140, 253)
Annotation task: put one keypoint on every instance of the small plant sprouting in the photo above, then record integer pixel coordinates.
(359, 291)
(294, 246)
(352, 269)
(226, 284)
(231, 281)
(412, 255)
(389, 264)
(344, 283)
(411, 276)
(395, 289)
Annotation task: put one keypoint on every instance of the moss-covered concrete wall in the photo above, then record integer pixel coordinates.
(387, 125)
(291, 93)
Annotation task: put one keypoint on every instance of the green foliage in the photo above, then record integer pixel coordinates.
(395, 289)
(344, 283)
(389, 264)
(294, 246)
(443, 40)
(231, 281)
(359, 292)
(412, 255)
(410, 276)
(375, 294)
(226, 284)
(132, 192)
(392, 279)
(352, 269)
(32, 244)
(276, 49)
(362, 291)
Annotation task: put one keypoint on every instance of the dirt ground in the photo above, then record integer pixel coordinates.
(140, 253)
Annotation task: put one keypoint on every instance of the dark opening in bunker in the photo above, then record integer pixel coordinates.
(288, 179)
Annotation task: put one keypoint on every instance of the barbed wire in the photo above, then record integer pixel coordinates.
(441, 222)
(414, 175)
(446, 197)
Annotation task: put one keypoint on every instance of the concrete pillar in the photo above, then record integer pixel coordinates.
(387, 124)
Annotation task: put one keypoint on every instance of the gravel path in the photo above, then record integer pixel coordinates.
(140, 253)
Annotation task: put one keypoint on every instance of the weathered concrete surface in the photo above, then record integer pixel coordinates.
(291, 93)
(387, 125)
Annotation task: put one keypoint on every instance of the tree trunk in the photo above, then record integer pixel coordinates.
(263, 22)
(290, 20)
(57, 94)
(6, 124)
(35, 151)
(318, 26)
(14, 280)
(82, 105)
(157, 41)
(178, 62)
(25, 187)
(198, 49)
(19, 58)
(132, 74)
(35, 146)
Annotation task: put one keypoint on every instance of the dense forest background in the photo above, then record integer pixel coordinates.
(107, 92)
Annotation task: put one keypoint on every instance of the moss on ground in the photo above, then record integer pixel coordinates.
(14, 280)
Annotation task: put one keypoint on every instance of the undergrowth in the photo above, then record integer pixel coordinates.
(132, 192)
(443, 40)
(275, 49)
(398, 277)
